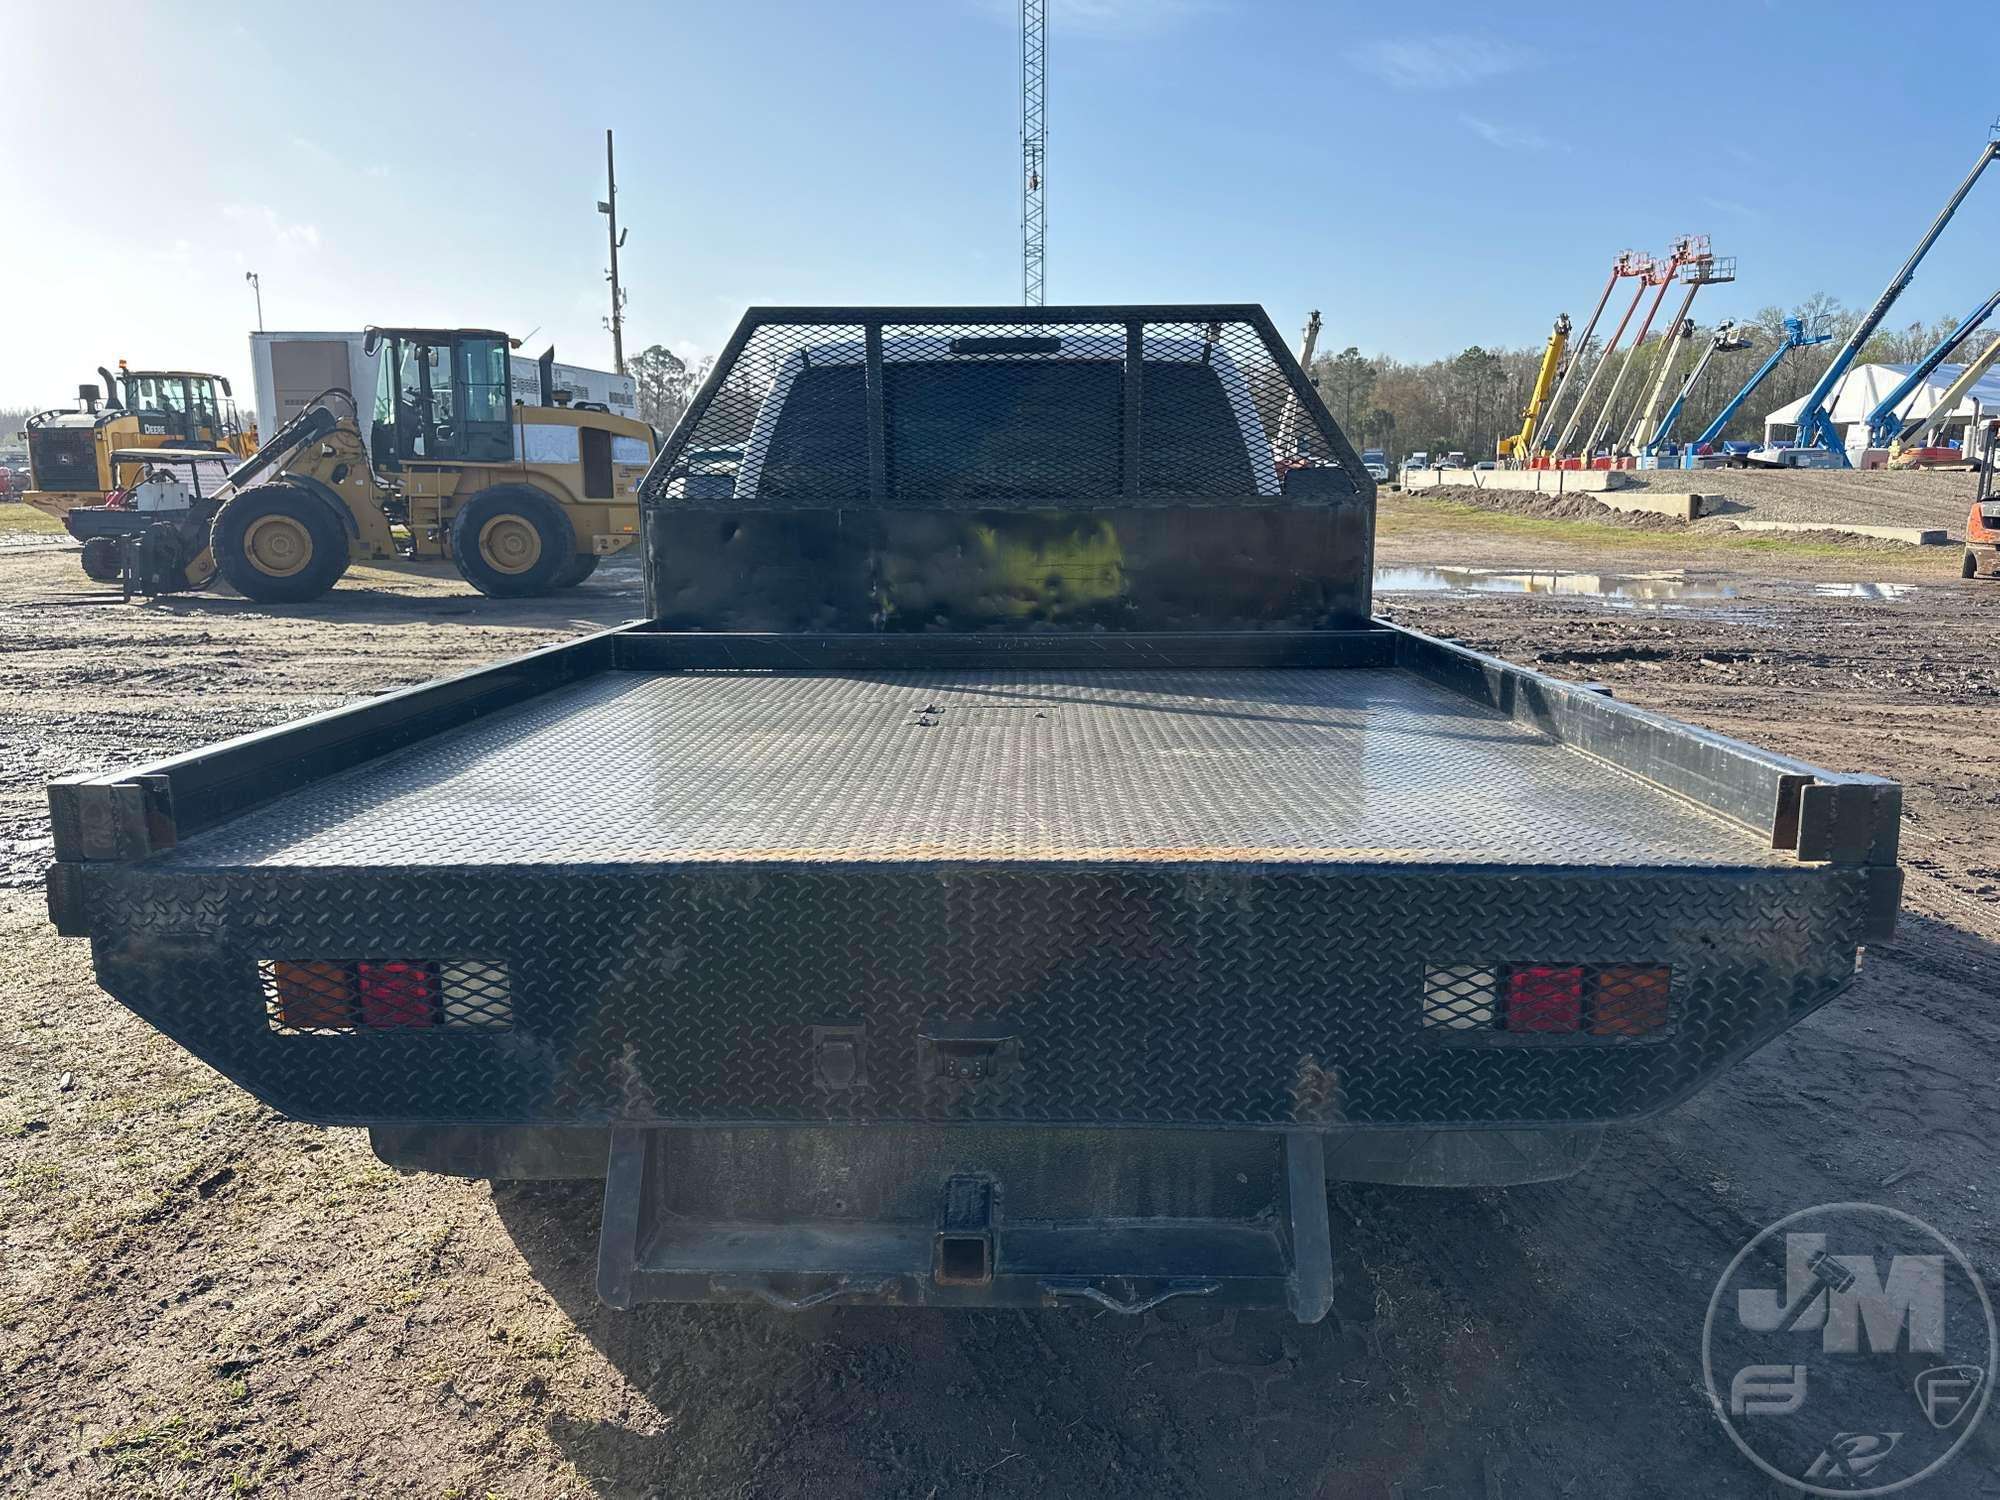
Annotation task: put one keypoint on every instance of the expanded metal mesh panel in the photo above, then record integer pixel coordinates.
(975, 411)
(63, 459)
(317, 995)
(1137, 994)
(1546, 1004)
(1167, 764)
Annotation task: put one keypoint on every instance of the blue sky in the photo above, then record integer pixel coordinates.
(1429, 175)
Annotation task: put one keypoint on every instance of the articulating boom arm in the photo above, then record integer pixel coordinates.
(1727, 338)
(1795, 338)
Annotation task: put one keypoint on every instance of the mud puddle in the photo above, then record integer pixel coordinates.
(1621, 590)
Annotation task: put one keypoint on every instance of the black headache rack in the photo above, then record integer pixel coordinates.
(1036, 958)
(951, 469)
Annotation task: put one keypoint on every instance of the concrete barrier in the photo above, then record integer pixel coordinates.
(1533, 481)
(1680, 507)
(1916, 536)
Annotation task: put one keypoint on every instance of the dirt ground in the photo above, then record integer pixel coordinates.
(200, 1298)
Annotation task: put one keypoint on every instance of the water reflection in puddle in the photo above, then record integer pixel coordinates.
(1631, 590)
(1863, 590)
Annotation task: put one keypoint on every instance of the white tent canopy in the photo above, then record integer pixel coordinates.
(1862, 388)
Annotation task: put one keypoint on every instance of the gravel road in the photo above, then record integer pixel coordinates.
(198, 1297)
(1874, 497)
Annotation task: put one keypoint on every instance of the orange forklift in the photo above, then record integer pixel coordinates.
(1982, 522)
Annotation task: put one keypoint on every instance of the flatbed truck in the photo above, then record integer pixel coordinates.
(1010, 864)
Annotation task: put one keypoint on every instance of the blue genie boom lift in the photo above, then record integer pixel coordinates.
(1884, 424)
(1818, 445)
(1728, 338)
(1795, 338)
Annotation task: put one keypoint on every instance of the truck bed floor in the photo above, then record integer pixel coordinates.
(1310, 766)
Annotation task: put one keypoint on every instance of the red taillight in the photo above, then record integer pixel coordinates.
(397, 994)
(1466, 1003)
(1630, 1001)
(317, 995)
(312, 996)
(1544, 999)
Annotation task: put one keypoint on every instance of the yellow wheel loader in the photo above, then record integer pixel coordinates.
(523, 499)
(70, 459)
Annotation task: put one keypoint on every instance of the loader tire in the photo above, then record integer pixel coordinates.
(512, 541)
(1968, 565)
(279, 544)
(579, 567)
(101, 560)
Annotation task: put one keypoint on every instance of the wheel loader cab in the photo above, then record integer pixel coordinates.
(182, 406)
(441, 397)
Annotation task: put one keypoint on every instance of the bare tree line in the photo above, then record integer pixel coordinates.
(1465, 402)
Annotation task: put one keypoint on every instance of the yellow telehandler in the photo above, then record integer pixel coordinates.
(523, 499)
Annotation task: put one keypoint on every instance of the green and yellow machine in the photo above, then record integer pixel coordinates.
(70, 452)
(523, 499)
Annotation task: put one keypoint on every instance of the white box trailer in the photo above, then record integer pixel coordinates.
(288, 369)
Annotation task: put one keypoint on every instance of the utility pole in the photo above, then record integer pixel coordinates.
(1034, 145)
(609, 208)
(257, 286)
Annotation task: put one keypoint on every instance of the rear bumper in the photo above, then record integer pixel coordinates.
(1186, 996)
(965, 1216)
(94, 520)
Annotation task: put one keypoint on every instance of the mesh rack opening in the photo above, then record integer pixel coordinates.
(817, 408)
(346, 996)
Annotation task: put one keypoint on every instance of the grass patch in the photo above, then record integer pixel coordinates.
(152, 1443)
(369, 1177)
(33, 1183)
(1405, 516)
(17, 519)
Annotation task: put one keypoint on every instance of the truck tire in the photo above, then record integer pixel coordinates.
(1968, 565)
(101, 561)
(279, 544)
(579, 567)
(512, 541)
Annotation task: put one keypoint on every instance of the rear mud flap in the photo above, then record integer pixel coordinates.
(797, 1218)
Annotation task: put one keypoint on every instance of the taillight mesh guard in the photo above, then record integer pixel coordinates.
(1544, 1004)
(331, 997)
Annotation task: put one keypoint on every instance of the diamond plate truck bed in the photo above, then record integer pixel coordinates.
(1093, 886)
(957, 895)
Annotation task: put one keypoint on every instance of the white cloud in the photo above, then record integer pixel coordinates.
(1506, 137)
(284, 231)
(1448, 61)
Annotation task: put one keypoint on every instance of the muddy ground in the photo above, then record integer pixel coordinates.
(200, 1298)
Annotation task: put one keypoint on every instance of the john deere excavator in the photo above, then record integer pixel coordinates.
(523, 499)
(69, 452)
